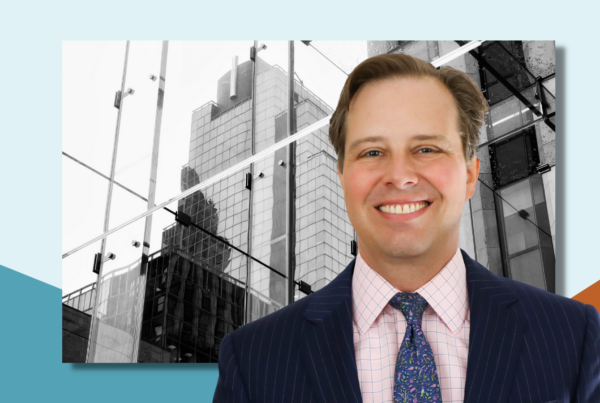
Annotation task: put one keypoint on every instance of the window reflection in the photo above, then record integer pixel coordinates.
(528, 252)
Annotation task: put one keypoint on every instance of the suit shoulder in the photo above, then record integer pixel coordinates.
(276, 321)
(281, 319)
(528, 295)
(542, 300)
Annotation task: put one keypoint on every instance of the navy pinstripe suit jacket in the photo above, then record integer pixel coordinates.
(526, 345)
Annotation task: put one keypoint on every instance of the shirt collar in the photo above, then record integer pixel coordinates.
(446, 293)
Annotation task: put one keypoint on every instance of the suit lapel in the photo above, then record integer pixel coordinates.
(494, 341)
(328, 344)
(495, 336)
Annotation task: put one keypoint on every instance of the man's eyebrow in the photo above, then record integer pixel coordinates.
(430, 137)
(418, 137)
(370, 139)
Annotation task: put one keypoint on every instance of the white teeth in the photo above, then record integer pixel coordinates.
(404, 208)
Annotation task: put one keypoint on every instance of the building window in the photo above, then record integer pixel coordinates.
(515, 158)
(508, 59)
(524, 225)
(527, 250)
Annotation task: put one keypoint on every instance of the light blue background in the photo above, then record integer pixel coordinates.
(30, 149)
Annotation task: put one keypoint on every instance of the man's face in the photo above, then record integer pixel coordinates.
(404, 177)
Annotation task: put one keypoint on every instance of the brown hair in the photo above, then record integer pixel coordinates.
(470, 102)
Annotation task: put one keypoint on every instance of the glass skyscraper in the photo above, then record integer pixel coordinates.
(198, 287)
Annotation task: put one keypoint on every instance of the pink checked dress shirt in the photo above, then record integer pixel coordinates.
(379, 328)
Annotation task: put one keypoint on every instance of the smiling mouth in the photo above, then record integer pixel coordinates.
(403, 208)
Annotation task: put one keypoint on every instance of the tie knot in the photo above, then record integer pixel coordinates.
(411, 305)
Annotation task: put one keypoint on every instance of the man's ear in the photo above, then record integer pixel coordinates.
(340, 175)
(472, 176)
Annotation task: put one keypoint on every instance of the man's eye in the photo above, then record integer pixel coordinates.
(372, 153)
(426, 150)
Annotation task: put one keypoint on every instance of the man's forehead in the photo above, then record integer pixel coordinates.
(378, 85)
(425, 109)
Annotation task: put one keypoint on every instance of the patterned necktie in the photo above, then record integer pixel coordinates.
(416, 379)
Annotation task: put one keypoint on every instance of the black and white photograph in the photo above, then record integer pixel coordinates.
(201, 190)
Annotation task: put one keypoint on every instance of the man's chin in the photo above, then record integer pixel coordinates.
(402, 249)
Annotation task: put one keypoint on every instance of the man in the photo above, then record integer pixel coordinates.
(413, 318)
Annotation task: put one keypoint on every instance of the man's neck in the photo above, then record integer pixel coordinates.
(408, 274)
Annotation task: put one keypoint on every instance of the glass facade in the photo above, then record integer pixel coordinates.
(508, 63)
(220, 254)
(82, 299)
(188, 308)
(514, 158)
(528, 250)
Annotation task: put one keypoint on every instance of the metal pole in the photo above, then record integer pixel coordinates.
(290, 183)
(252, 124)
(108, 200)
(151, 193)
(114, 156)
(155, 148)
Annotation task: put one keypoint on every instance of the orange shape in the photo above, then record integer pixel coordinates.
(590, 296)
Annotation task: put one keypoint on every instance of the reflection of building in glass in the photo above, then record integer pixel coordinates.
(117, 317)
(117, 314)
(196, 285)
(188, 308)
(508, 225)
(189, 305)
(199, 287)
(222, 136)
(198, 245)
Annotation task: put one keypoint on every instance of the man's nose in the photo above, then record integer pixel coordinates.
(401, 172)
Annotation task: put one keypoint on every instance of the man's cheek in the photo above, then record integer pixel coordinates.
(360, 184)
(444, 178)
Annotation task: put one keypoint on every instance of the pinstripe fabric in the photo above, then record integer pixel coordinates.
(379, 329)
(526, 345)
